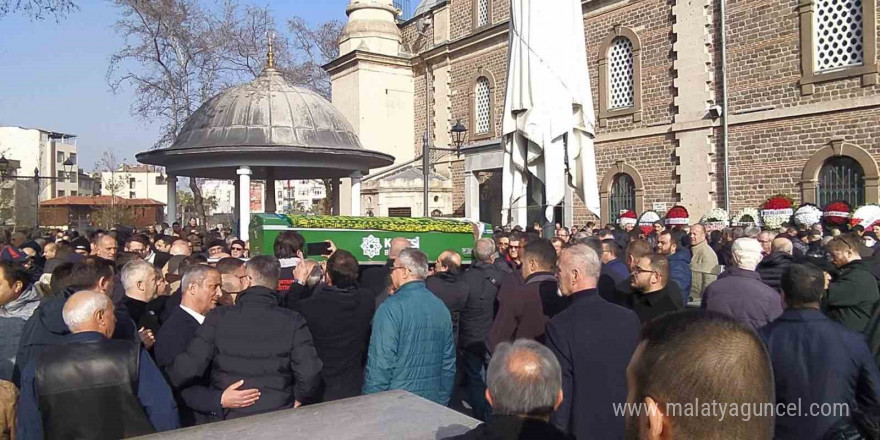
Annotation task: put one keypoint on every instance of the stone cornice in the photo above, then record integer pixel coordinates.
(352, 58)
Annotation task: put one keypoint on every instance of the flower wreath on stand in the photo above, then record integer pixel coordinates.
(807, 215)
(677, 217)
(627, 218)
(747, 217)
(837, 214)
(776, 211)
(866, 215)
(715, 220)
(646, 222)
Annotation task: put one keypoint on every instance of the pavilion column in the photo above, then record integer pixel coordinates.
(334, 201)
(356, 193)
(171, 185)
(235, 202)
(244, 202)
(271, 206)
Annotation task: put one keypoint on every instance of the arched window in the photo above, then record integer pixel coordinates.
(620, 74)
(841, 178)
(482, 106)
(838, 34)
(623, 196)
(482, 13)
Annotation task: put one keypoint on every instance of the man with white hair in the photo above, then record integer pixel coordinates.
(525, 386)
(591, 384)
(93, 386)
(411, 347)
(739, 292)
(141, 286)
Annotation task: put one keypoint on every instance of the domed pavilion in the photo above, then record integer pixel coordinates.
(266, 130)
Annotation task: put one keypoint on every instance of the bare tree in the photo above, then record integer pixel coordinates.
(171, 43)
(313, 47)
(177, 55)
(38, 9)
(117, 213)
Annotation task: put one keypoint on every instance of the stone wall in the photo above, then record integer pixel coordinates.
(774, 127)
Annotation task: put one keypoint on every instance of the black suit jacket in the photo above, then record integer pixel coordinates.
(197, 403)
(594, 341)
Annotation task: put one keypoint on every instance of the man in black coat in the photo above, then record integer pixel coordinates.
(197, 402)
(652, 290)
(338, 315)
(483, 280)
(773, 266)
(593, 341)
(524, 388)
(258, 341)
(446, 284)
(837, 368)
(378, 279)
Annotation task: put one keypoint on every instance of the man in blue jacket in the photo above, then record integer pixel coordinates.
(411, 347)
(679, 257)
(817, 363)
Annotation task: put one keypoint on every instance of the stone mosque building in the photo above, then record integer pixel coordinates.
(802, 115)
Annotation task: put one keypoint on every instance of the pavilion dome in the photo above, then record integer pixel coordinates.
(268, 111)
(266, 124)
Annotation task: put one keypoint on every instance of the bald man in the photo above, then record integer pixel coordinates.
(448, 285)
(773, 266)
(378, 279)
(525, 387)
(68, 386)
(180, 247)
(106, 247)
(704, 263)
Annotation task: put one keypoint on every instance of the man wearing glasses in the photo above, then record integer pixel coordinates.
(411, 347)
(237, 249)
(511, 262)
(651, 298)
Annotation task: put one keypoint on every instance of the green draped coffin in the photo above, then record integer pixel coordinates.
(369, 238)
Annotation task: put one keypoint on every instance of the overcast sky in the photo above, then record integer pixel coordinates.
(53, 76)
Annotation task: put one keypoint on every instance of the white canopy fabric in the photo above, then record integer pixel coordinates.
(548, 97)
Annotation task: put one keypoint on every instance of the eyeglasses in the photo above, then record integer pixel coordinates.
(515, 247)
(393, 268)
(638, 269)
(237, 248)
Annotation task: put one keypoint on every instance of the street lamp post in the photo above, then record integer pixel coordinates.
(5, 171)
(458, 132)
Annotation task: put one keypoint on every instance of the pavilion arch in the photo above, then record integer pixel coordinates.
(616, 169)
(837, 148)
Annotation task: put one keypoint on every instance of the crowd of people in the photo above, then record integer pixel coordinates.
(123, 333)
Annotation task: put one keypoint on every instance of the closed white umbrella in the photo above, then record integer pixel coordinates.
(548, 99)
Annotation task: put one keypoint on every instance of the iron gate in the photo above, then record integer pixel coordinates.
(623, 196)
(841, 178)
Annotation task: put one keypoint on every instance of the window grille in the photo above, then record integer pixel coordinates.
(482, 13)
(623, 196)
(838, 38)
(483, 95)
(841, 178)
(620, 68)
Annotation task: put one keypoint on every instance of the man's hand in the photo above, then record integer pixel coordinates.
(147, 337)
(296, 404)
(234, 398)
(332, 249)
